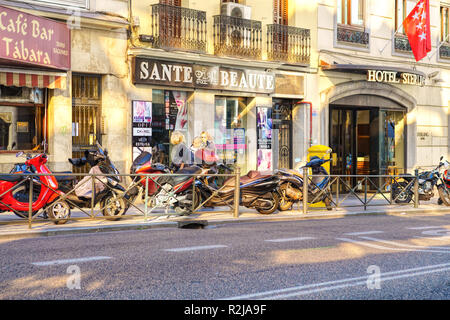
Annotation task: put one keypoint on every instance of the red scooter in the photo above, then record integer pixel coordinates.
(14, 191)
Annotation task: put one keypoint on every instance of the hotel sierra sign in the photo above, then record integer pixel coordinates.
(148, 71)
(30, 39)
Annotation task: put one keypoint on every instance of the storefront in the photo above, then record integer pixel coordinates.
(234, 105)
(370, 127)
(34, 60)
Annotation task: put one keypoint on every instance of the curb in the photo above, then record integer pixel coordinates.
(204, 222)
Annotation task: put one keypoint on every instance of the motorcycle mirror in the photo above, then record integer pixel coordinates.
(13, 145)
(442, 157)
(329, 151)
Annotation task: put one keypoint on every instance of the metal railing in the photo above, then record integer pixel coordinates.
(237, 37)
(287, 43)
(352, 35)
(93, 208)
(365, 191)
(371, 190)
(180, 28)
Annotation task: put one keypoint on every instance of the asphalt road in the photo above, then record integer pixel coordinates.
(364, 257)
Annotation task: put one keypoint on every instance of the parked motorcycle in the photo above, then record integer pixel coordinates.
(46, 193)
(290, 187)
(403, 188)
(444, 186)
(108, 189)
(258, 190)
(164, 191)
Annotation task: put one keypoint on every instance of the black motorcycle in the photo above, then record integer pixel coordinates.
(108, 191)
(403, 188)
(257, 191)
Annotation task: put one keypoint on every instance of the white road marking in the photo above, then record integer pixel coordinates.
(363, 233)
(403, 245)
(195, 248)
(338, 284)
(424, 228)
(290, 239)
(371, 245)
(68, 261)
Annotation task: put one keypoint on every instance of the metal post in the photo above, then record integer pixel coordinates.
(390, 191)
(93, 196)
(30, 203)
(236, 192)
(305, 190)
(193, 195)
(146, 199)
(416, 188)
(337, 192)
(365, 194)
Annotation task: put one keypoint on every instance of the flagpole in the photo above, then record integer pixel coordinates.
(381, 51)
(438, 47)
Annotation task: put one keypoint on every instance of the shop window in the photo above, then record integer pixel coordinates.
(22, 125)
(230, 131)
(350, 12)
(168, 113)
(22, 119)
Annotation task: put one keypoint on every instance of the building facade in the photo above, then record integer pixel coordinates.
(266, 79)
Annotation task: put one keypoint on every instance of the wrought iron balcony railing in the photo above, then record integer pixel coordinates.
(401, 43)
(178, 28)
(237, 37)
(290, 44)
(444, 50)
(352, 35)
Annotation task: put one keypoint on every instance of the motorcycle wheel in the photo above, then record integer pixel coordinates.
(399, 195)
(274, 207)
(113, 207)
(285, 203)
(444, 195)
(59, 212)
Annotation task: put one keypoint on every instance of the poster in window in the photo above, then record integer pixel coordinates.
(176, 110)
(142, 124)
(264, 136)
(22, 127)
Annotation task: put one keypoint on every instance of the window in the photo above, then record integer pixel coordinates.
(21, 124)
(351, 12)
(280, 12)
(230, 131)
(84, 4)
(402, 9)
(445, 24)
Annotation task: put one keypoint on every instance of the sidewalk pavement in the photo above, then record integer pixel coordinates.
(14, 227)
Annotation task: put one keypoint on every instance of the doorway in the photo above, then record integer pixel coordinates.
(366, 141)
(282, 132)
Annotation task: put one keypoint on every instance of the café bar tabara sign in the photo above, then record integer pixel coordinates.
(149, 71)
(30, 39)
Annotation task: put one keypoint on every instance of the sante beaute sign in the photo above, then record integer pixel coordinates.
(149, 71)
(34, 40)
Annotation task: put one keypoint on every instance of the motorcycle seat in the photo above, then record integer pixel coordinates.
(12, 178)
(253, 175)
(64, 178)
(190, 170)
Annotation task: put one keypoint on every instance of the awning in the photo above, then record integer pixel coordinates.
(33, 80)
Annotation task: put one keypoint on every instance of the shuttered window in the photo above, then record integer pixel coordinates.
(280, 12)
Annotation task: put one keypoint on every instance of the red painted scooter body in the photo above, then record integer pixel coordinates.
(46, 195)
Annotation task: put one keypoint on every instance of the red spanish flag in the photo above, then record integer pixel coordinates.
(417, 28)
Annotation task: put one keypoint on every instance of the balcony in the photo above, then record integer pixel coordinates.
(237, 37)
(401, 43)
(352, 35)
(289, 44)
(444, 50)
(178, 28)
